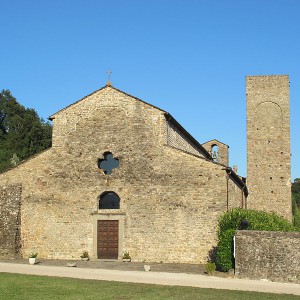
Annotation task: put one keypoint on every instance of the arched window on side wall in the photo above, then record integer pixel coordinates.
(109, 200)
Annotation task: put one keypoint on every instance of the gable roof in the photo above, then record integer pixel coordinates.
(104, 87)
(168, 117)
(238, 180)
(198, 146)
(215, 140)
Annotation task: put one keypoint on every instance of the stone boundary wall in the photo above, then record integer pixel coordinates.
(10, 221)
(271, 255)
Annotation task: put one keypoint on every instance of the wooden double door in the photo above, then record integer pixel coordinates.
(108, 239)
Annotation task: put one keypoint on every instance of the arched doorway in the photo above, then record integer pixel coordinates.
(108, 230)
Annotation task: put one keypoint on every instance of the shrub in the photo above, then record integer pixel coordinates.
(224, 259)
(33, 255)
(233, 220)
(210, 268)
(296, 212)
(84, 254)
(257, 220)
(126, 255)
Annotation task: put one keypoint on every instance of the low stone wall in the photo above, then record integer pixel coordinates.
(10, 219)
(268, 255)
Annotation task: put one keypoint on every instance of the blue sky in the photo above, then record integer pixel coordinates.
(188, 57)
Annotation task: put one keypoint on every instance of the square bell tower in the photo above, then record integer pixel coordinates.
(268, 144)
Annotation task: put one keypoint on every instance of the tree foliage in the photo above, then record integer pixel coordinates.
(257, 220)
(22, 132)
(296, 191)
(296, 202)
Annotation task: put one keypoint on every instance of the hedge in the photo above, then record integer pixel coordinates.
(253, 220)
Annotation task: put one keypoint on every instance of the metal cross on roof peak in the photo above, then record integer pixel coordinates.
(108, 72)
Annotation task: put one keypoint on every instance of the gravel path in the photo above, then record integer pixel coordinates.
(153, 277)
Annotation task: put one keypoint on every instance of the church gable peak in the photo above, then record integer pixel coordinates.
(107, 90)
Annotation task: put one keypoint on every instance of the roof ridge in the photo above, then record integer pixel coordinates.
(52, 116)
(27, 159)
(106, 86)
(215, 140)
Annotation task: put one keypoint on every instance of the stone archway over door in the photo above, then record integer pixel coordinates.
(108, 239)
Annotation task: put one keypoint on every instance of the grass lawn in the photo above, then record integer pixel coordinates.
(15, 286)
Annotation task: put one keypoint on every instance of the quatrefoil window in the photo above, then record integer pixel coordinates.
(108, 163)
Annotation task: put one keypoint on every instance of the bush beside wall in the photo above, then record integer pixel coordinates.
(232, 221)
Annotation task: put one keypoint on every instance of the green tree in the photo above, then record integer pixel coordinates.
(296, 191)
(296, 201)
(22, 132)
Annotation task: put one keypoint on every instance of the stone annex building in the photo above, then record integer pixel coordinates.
(124, 175)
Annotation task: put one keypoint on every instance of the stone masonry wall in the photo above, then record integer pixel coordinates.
(236, 196)
(67, 120)
(10, 239)
(268, 144)
(268, 255)
(223, 153)
(174, 138)
(170, 201)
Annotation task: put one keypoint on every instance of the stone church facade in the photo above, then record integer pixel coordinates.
(121, 175)
(166, 189)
